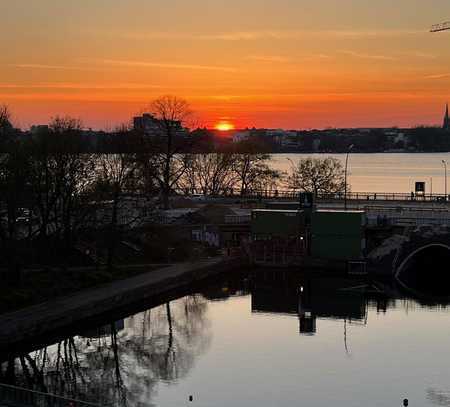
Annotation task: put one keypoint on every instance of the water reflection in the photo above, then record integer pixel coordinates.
(309, 298)
(439, 397)
(131, 361)
(119, 363)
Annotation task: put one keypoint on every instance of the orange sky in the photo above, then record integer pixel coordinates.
(276, 63)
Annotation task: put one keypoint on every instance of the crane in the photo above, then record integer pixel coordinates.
(440, 27)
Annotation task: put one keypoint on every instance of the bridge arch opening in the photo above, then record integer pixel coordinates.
(427, 270)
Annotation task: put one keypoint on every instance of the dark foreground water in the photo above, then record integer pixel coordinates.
(268, 339)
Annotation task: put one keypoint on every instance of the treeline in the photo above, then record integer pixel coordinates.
(172, 115)
(57, 201)
(429, 139)
(420, 139)
(54, 198)
(54, 201)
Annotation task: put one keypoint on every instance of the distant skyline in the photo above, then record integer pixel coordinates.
(273, 64)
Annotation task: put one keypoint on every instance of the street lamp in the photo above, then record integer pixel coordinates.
(350, 148)
(445, 169)
(293, 172)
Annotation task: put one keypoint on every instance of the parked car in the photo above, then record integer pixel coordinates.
(198, 197)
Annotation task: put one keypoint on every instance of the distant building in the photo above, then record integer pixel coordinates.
(147, 124)
(278, 136)
(316, 145)
(150, 126)
(38, 129)
(241, 136)
(446, 125)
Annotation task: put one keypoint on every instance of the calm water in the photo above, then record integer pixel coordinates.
(255, 341)
(385, 172)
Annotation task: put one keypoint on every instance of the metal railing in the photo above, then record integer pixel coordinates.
(385, 196)
(19, 397)
(377, 215)
(237, 219)
(279, 194)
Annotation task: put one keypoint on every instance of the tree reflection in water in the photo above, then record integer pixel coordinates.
(123, 362)
(438, 397)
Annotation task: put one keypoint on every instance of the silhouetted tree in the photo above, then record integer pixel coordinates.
(252, 170)
(116, 176)
(14, 172)
(317, 175)
(171, 114)
(6, 128)
(60, 176)
(5, 119)
(209, 174)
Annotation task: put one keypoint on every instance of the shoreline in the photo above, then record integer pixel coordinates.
(36, 325)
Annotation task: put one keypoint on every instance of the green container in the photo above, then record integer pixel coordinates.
(338, 235)
(337, 247)
(277, 223)
(285, 206)
(347, 223)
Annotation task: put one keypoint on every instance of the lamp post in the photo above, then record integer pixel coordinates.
(293, 172)
(445, 169)
(350, 148)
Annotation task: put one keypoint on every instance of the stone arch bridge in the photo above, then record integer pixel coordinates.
(426, 246)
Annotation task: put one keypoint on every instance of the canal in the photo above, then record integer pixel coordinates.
(260, 339)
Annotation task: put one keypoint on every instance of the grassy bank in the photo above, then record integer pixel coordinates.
(46, 284)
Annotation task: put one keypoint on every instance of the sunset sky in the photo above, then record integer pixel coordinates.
(263, 63)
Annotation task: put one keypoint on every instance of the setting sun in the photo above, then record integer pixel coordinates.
(224, 126)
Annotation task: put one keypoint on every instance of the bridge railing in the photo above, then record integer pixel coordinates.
(293, 195)
(386, 196)
(377, 215)
(18, 397)
(237, 219)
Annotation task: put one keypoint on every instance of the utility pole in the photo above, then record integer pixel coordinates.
(350, 148)
(436, 28)
(445, 177)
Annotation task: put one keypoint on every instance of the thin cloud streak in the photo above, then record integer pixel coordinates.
(52, 67)
(77, 86)
(368, 56)
(438, 76)
(268, 58)
(145, 64)
(270, 34)
(424, 55)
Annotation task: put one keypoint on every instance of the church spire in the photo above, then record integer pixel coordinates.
(446, 119)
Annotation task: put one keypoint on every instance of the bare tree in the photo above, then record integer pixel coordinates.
(73, 176)
(116, 176)
(14, 170)
(65, 125)
(171, 114)
(317, 175)
(252, 169)
(5, 118)
(59, 177)
(210, 174)
(6, 128)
